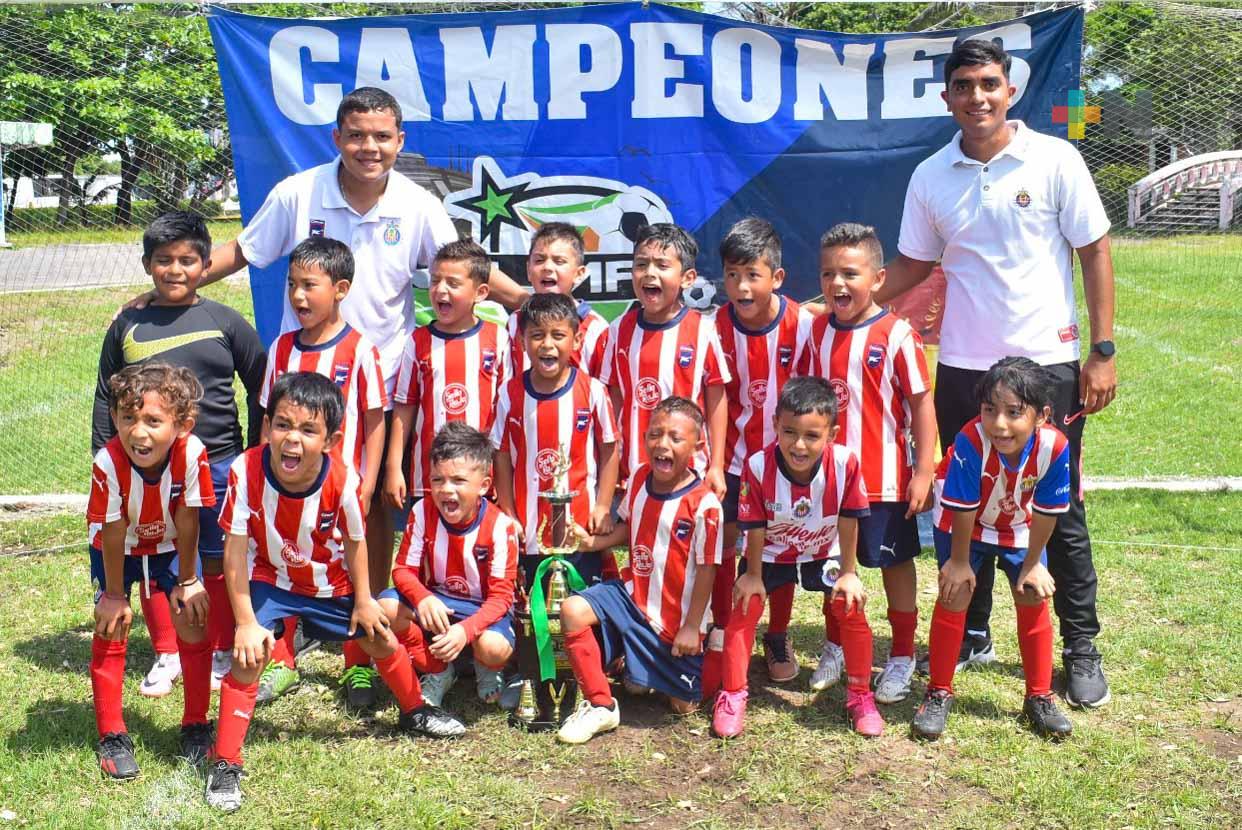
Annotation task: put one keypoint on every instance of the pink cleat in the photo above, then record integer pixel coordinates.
(866, 720)
(729, 713)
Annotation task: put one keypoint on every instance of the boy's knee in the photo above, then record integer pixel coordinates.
(576, 614)
(1027, 598)
(492, 649)
(186, 632)
(379, 647)
(247, 676)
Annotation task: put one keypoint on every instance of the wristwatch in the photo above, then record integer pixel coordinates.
(1104, 349)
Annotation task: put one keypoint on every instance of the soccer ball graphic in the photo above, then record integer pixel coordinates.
(618, 222)
(701, 294)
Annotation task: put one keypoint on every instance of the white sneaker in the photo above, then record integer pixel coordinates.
(221, 664)
(893, 685)
(436, 686)
(164, 673)
(488, 683)
(831, 666)
(587, 721)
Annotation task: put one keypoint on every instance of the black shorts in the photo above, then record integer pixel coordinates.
(817, 575)
(733, 487)
(887, 537)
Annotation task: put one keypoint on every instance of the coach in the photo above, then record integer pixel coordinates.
(1003, 208)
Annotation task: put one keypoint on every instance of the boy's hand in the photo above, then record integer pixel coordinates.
(113, 616)
(141, 301)
(448, 645)
(1036, 580)
(716, 480)
(433, 615)
(370, 618)
(394, 488)
(919, 494)
(191, 600)
(850, 588)
(748, 585)
(252, 644)
(587, 542)
(601, 519)
(688, 642)
(957, 583)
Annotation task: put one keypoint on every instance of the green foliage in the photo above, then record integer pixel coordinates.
(1112, 180)
(871, 18)
(31, 220)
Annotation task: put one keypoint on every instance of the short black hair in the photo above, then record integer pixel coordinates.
(676, 405)
(541, 309)
(478, 265)
(457, 439)
(331, 256)
(368, 99)
(560, 232)
(976, 52)
(177, 226)
(854, 235)
(750, 240)
(313, 392)
(804, 395)
(667, 235)
(1031, 383)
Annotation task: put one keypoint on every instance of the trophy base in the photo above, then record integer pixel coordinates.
(533, 726)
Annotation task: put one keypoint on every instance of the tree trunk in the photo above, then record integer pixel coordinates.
(65, 190)
(130, 168)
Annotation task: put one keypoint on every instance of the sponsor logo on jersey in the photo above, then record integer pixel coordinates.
(648, 393)
(150, 531)
(546, 462)
(317, 227)
(685, 356)
(784, 354)
(455, 398)
(842, 390)
(801, 536)
(875, 355)
(292, 554)
(758, 393)
(489, 361)
(457, 585)
(641, 561)
(1007, 505)
(682, 531)
(582, 419)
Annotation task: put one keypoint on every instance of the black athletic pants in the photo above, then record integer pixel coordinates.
(1069, 549)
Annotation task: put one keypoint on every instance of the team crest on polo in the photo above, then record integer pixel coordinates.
(481, 552)
(875, 355)
(842, 390)
(685, 356)
(340, 373)
(489, 361)
(292, 554)
(684, 526)
(392, 233)
(1023, 199)
(455, 398)
(647, 393)
(641, 561)
(176, 490)
(317, 228)
(582, 419)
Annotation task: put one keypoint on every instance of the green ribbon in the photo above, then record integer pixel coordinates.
(539, 612)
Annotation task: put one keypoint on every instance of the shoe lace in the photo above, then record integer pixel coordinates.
(225, 776)
(196, 731)
(1043, 705)
(936, 697)
(1082, 666)
(779, 647)
(727, 704)
(358, 677)
(114, 741)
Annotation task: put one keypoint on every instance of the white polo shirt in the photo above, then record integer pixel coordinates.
(394, 240)
(1004, 232)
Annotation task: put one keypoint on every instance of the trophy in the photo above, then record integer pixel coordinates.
(549, 690)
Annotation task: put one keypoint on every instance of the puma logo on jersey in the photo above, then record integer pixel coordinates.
(136, 351)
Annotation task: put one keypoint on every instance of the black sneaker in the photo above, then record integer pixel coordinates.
(224, 786)
(359, 683)
(1085, 686)
(196, 741)
(431, 721)
(976, 650)
(1045, 718)
(301, 643)
(932, 715)
(116, 756)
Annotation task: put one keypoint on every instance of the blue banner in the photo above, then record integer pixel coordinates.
(612, 116)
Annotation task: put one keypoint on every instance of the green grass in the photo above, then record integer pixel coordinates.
(221, 229)
(1163, 754)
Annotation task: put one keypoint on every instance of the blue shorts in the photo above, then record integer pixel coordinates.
(160, 567)
(459, 609)
(210, 534)
(819, 575)
(590, 565)
(886, 537)
(1009, 559)
(649, 661)
(733, 488)
(323, 618)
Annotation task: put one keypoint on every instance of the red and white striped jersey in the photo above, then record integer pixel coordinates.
(474, 562)
(974, 476)
(147, 505)
(353, 364)
(589, 356)
(671, 536)
(649, 362)
(297, 540)
(759, 361)
(449, 377)
(874, 368)
(536, 429)
(800, 520)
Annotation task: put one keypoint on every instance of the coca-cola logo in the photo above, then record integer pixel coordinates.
(546, 462)
(842, 390)
(150, 530)
(292, 555)
(648, 393)
(1008, 505)
(455, 398)
(457, 585)
(641, 561)
(758, 392)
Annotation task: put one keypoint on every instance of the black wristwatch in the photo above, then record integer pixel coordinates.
(1104, 349)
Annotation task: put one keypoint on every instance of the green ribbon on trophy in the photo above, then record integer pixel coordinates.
(539, 611)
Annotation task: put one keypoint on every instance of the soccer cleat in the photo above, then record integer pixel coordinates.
(977, 650)
(436, 686)
(196, 741)
(431, 721)
(932, 715)
(224, 786)
(587, 721)
(277, 679)
(488, 683)
(778, 654)
(831, 666)
(1085, 685)
(864, 717)
(116, 756)
(360, 686)
(1045, 718)
(221, 664)
(729, 713)
(893, 685)
(164, 673)
(511, 695)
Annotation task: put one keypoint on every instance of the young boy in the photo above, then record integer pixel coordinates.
(763, 336)
(457, 569)
(321, 273)
(1001, 487)
(293, 514)
(800, 504)
(451, 370)
(555, 265)
(147, 485)
(875, 363)
(657, 619)
(214, 342)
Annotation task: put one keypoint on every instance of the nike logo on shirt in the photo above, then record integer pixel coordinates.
(136, 351)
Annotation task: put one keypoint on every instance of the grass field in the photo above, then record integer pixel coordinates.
(220, 229)
(1166, 752)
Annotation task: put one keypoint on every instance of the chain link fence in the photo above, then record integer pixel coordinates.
(136, 115)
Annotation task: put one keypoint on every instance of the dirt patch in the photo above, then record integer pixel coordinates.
(1224, 738)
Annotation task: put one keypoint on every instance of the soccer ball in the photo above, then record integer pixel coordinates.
(700, 294)
(618, 223)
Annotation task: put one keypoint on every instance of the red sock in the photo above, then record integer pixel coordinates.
(722, 590)
(856, 643)
(282, 651)
(609, 568)
(158, 615)
(399, 676)
(354, 655)
(220, 623)
(588, 663)
(944, 642)
(780, 608)
(739, 643)
(713, 666)
(832, 628)
(107, 677)
(236, 708)
(195, 679)
(1035, 643)
(904, 624)
(415, 644)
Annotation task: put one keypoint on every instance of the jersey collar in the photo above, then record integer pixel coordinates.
(789, 474)
(740, 326)
(470, 526)
(331, 344)
(458, 335)
(832, 321)
(280, 488)
(548, 396)
(671, 324)
(674, 494)
(333, 197)
(1017, 147)
(1022, 459)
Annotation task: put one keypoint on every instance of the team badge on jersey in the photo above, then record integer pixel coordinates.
(489, 360)
(392, 233)
(582, 419)
(682, 531)
(326, 519)
(481, 552)
(875, 355)
(785, 355)
(317, 228)
(340, 373)
(455, 398)
(1028, 483)
(175, 491)
(802, 508)
(685, 356)
(1023, 199)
